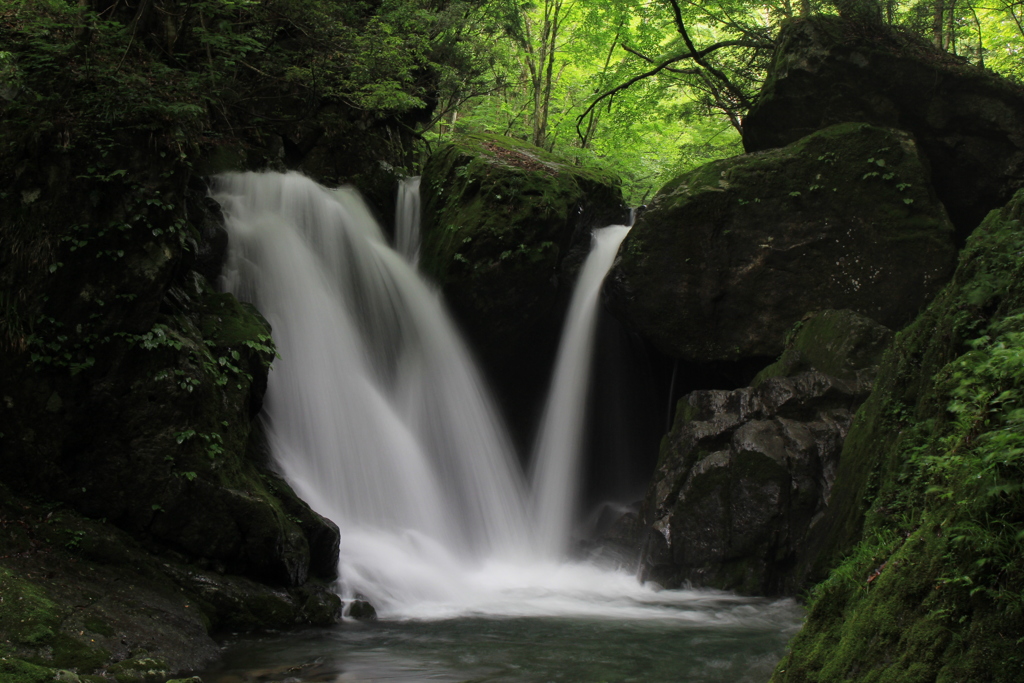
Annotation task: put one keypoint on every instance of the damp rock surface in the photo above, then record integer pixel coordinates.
(729, 256)
(745, 476)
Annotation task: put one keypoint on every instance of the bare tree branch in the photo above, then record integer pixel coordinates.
(699, 58)
(694, 54)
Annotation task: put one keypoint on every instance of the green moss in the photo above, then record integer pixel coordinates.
(141, 669)
(228, 322)
(837, 343)
(18, 671)
(28, 616)
(31, 621)
(928, 507)
(499, 217)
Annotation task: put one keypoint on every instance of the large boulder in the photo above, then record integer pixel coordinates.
(745, 475)
(968, 122)
(732, 254)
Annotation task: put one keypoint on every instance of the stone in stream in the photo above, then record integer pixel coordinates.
(361, 610)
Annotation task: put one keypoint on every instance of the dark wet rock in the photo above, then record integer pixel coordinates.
(361, 610)
(742, 477)
(745, 476)
(235, 603)
(614, 537)
(82, 595)
(729, 256)
(967, 122)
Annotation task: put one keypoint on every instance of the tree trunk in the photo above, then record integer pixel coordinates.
(866, 11)
(937, 15)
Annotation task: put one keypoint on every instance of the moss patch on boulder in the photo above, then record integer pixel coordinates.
(968, 122)
(842, 344)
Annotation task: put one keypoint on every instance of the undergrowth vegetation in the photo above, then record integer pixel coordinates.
(938, 572)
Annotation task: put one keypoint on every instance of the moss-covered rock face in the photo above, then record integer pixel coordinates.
(128, 392)
(924, 531)
(744, 475)
(500, 219)
(732, 254)
(81, 600)
(968, 122)
(842, 344)
(153, 437)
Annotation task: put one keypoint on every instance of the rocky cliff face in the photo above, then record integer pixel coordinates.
(924, 527)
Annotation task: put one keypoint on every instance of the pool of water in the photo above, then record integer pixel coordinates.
(669, 636)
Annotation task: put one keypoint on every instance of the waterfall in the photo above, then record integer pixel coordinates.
(373, 411)
(407, 219)
(378, 418)
(555, 476)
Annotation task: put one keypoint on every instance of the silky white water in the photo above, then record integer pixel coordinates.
(555, 467)
(376, 415)
(407, 219)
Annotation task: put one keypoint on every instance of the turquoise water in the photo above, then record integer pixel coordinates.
(699, 637)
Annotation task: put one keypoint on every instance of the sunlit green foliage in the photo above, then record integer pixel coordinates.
(626, 93)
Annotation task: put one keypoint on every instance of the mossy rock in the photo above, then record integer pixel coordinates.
(141, 669)
(731, 255)
(15, 670)
(81, 595)
(843, 344)
(967, 121)
(499, 217)
(921, 539)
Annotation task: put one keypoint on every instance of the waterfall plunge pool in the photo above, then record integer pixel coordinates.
(648, 637)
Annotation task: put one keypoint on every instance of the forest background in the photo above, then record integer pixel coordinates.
(644, 88)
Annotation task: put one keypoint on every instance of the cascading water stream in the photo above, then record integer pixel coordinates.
(407, 219)
(373, 411)
(378, 419)
(556, 458)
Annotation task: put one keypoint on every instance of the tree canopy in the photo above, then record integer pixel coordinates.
(643, 88)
